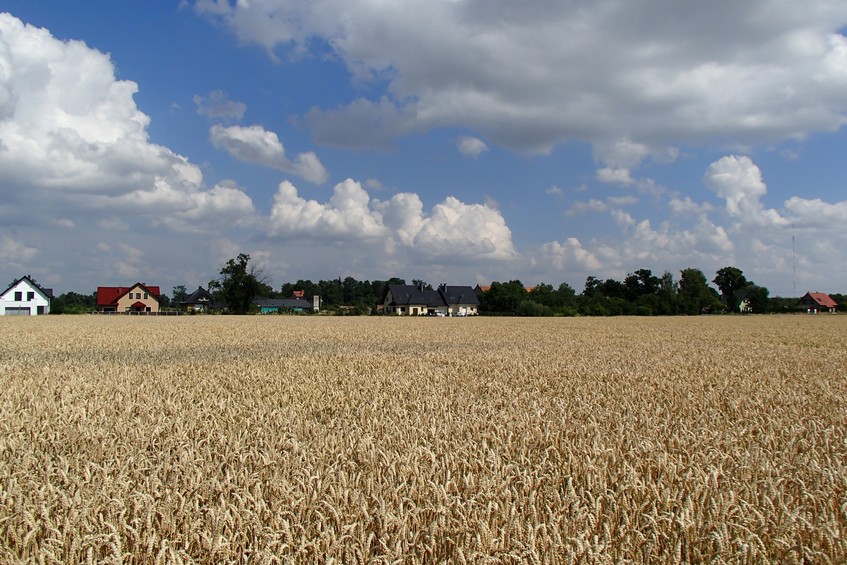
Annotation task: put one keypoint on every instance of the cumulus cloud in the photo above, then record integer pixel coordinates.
(218, 105)
(255, 144)
(659, 74)
(73, 138)
(459, 230)
(739, 182)
(453, 229)
(347, 215)
(569, 254)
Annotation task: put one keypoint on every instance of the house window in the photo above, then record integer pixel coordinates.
(19, 296)
(145, 296)
(137, 295)
(30, 296)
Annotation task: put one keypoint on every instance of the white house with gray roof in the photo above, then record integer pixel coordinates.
(25, 298)
(411, 300)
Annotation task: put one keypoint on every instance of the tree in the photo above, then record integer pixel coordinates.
(730, 280)
(503, 298)
(178, 294)
(757, 298)
(238, 284)
(640, 283)
(75, 303)
(592, 286)
(422, 284)
(667, 295)
(694, 296)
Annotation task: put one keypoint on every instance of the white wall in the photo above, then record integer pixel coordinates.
(7, 300)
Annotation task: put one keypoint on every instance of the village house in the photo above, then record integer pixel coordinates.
(297, 303)
(814, 302)
(275, 305)
(135, 299)
(411, 300)
(201, 300)
(25, 298)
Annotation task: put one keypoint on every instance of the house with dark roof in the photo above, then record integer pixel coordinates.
(814, 302)
(25, 297)
(201, 300)
(137, 298)
(276, 305)
(411, 300)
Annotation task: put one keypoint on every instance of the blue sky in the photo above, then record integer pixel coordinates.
(458, 141)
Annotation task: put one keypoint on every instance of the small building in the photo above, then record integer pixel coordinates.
(814, 302)
(136, 299)
(201, 300)
(276, 305)
(25, 297)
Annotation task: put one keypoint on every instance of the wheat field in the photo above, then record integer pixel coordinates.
(387, 440)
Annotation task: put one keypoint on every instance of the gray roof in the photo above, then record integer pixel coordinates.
(459, 295)
(283, 303)
(199, 296)
(408, 294)
(48, 292)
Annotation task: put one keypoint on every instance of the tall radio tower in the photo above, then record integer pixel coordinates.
(793, 261)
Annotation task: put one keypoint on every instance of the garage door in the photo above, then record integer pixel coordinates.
(17, 311)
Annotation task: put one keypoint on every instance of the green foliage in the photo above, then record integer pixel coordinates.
(731, 281)
(503, 298)
(695, 296)
(757, 298)
(178, 294)
(238, 284)
(73, 303)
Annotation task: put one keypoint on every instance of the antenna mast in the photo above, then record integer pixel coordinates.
(793, 261)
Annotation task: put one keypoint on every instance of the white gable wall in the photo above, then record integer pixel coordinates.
(24, 296)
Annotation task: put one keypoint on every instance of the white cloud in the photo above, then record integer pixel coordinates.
(222, 207)
(739, 182)
(614, 176)
(218, 105)
(255, 144)
(464, 230)
(816, 212)
(659, 73)
(570, 255)
(15, 252)
(73, 140)
(453, 229)
(347, 215)
(597, 205)
(471, 146)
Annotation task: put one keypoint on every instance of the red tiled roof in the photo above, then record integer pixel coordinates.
(823, 299)
(107, 295)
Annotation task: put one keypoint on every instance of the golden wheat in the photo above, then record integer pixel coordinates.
(383, 440)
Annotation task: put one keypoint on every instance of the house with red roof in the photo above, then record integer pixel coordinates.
(815, 302)
(137, 298)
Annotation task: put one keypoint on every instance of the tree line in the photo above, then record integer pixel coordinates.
(639, 293)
